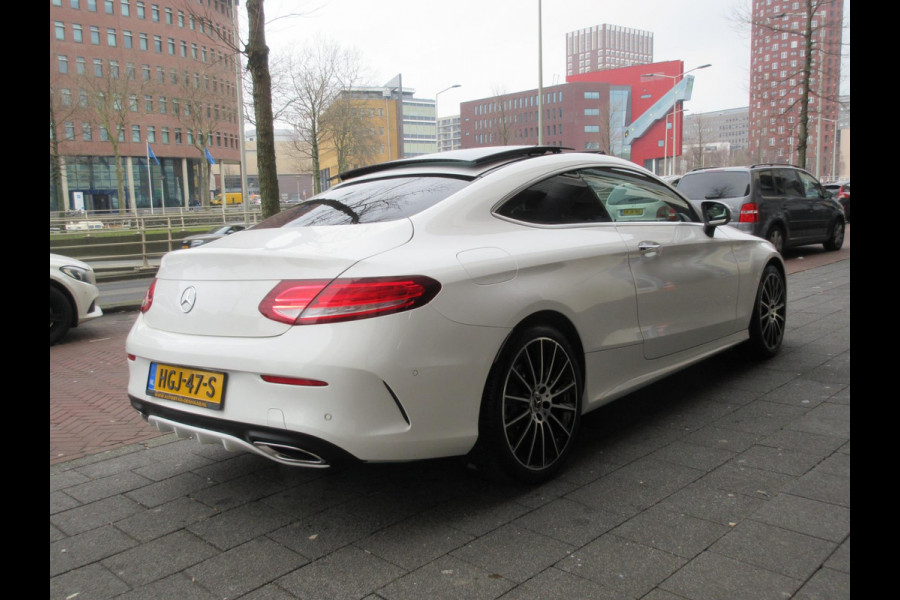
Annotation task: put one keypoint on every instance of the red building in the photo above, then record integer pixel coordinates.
(623, 112)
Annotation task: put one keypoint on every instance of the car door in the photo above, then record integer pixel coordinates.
(798, 213)
(686, 282)
(821, 206)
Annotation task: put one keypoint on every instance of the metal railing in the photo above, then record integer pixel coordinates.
(136, 239)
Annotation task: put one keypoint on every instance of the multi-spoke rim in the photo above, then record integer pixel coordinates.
(540, 403)
(772, 310)
(837, 236)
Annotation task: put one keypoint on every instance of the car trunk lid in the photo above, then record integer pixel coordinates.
(216, 289)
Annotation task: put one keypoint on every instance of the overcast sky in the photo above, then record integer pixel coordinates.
(491, 46)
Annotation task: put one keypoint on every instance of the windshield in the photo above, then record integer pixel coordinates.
(374, 201)
(715, 185)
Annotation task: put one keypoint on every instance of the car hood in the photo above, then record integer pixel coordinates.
(230, 278)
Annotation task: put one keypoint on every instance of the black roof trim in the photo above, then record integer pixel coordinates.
(469, 157)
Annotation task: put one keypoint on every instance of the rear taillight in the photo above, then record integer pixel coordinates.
(665, 213)
(148, 297)
(306, 302)
(749, 213)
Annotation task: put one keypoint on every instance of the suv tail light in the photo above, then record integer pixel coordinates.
(749, 213)
(306, 302)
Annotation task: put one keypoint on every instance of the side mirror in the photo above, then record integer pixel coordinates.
(714, 214)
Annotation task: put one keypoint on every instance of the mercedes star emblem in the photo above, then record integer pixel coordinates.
(188, 298)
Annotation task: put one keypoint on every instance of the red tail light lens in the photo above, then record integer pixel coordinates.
(665, 213)
(749, 213)
(148, 297)
(306, 302)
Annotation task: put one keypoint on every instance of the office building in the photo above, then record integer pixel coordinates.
(153, 85)
(781, 33)
(606, 46)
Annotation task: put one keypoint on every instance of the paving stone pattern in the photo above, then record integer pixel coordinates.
(728, 481)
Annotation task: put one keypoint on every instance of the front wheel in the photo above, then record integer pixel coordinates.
(836, 237)
(767, 324)
(60, 315)
(531, 407)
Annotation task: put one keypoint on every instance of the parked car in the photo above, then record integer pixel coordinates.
(840, 191)
(781, 203)
(73, 295)
(192, 241)
(470, 303)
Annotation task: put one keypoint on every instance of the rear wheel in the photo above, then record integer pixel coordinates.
(769, 313)
(531, 408)
(60, 315)
(836, 237)
(776, 237)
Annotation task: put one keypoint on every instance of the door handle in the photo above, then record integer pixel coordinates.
(648, 247)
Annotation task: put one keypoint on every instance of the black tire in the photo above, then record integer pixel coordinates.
(775, 236)
(60, 315)
(767, 325)
(835, 236)
(531, 409)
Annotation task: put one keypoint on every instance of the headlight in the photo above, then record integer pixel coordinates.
(79, 273)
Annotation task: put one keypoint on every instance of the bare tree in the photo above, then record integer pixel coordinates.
(348, 130)
(63, 107)
(318, 74)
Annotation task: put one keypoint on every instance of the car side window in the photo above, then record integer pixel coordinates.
(788, 184)
(631, 196)
(811, 187)
(560, 200)
(766, 182)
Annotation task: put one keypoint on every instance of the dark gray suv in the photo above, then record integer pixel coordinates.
(781, 203)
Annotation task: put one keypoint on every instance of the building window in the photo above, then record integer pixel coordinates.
(183, 49)
(145, 72)
(592, 129)
(60, 30)
(180, 19)
(104, 134)
(143, 41)
(92, 5)
(127, 39)
(168, 16)
(95, 35)
(63, 63)
(70, 130)
(154, 13)
(165, 135)
(125, 8)
(135, 133)
(111, 38)
(162, 105)
(86, 132)
(114, 69)
(133, 103)
(98, 67)
(108, 7)
(177, 135)
(160, 75)
(148, 103)
(140, 11)
(157, 44)
(171, 46)
(151, 134)
(77, 33)
(194, 51)
(80, 65)
(65, 96)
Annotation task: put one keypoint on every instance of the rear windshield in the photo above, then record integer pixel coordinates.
(714, 185)
(374, 201)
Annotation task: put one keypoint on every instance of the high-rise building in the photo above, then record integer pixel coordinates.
(143, 93)
(448, 133)
(786, 42)
(606, 46)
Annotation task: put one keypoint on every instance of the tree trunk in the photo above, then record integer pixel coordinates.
(258, 65)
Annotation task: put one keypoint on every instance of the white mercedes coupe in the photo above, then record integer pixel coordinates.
(470, 303)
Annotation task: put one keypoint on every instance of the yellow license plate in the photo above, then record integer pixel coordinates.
(631, 212)
(190, 386)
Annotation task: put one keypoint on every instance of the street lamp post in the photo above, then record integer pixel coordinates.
(674, 79)
(437, 115)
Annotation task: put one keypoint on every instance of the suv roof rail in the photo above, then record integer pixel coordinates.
(774, 165)
(469, 157)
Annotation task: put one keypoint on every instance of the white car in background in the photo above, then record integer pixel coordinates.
(73, 295)
(469, 303)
